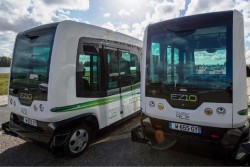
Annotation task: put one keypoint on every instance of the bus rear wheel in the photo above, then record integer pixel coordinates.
(78, 141)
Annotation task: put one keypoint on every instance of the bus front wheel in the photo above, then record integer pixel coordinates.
(78, 141)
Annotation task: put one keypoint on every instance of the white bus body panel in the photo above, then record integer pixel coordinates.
(239, 70)
(197, 116)
(28, 111)
(143, 71)
(62, 91)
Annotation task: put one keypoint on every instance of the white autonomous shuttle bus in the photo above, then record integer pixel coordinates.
(193, 81)
(69, 80)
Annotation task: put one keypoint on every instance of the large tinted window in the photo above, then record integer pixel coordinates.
(31, 60)
(30, 65)
(195, 59)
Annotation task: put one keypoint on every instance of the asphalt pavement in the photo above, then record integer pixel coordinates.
(4, 115)
(113, 151)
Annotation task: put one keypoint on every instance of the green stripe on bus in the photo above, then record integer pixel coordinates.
(89, 104)
(243, 112)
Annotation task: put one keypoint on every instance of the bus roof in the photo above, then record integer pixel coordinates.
(90, 31)
(191, 22)
(40, 28)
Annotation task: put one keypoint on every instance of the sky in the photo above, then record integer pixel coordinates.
(126, 16)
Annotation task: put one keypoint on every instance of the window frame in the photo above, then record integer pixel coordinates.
(80, 51)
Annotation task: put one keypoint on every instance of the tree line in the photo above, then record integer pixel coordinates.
(5, 61)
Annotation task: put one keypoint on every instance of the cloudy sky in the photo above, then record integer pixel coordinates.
(126, 16)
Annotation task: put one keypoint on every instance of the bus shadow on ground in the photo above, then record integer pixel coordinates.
(115, 151)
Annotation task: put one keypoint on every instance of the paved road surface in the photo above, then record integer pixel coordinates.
(115, 150)
(4, 115)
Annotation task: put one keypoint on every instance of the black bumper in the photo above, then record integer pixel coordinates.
(48, 133)
(237, 140)
(42, 133)
(145, 133)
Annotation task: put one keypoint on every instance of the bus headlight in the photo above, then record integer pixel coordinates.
(160, 106)
(41, 107)
(221, 111)
(208, 111)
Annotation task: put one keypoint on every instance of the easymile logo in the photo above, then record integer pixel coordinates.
(182, 115)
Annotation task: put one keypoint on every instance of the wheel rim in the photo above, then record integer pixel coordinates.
(78, 141)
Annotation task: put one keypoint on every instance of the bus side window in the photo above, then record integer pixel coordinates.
(83, 74)
(113, 71)
(88, 72)
(125, 73)
(135, 69)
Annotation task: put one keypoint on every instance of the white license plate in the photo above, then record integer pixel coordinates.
(184, 127)
(30, 121)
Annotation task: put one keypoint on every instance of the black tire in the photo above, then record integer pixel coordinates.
(78, 141)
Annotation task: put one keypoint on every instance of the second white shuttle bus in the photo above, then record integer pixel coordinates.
(194, 81)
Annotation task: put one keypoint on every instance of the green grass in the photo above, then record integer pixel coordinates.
(4, 79)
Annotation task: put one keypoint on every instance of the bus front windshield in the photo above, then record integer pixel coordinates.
(190, 60)
(31, 59)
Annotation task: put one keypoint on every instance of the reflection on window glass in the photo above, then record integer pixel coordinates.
(31, 59)
(135, 68)
(125, 64)
(84, 67)
(95, 71)
(113, 69)
(123, 71)
(88, 72)
(41, 53)
(196, 60)
(154, 61)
